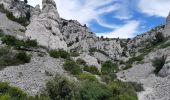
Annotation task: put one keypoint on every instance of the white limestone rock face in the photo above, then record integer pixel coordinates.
(44, 26)
(11, 28)
(167, 26)
(90, 60)
(18, 8)
(80, 39)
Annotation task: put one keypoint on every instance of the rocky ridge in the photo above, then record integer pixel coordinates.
(53, 32)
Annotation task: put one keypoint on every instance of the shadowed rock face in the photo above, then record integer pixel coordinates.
(167, 26)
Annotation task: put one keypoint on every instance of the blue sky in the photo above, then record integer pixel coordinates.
(114, 18)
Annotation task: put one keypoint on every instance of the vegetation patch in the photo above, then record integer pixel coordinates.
(158, 63)
(88, 88)
(165, 45)
(18, 44)
(59, 54)
(1, 33)
(11, 58)
(72, 67)
(108, 67)
(24, 21)
(85, 76)
(80, 61)
(12, 93)
(91, 69)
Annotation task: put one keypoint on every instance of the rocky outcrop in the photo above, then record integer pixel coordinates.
(44, 27)
(79, 38)
(165, 71)
(11, 28)
(17, 7)
(167, 26)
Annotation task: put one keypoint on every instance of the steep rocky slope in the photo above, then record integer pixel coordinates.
(133, 57)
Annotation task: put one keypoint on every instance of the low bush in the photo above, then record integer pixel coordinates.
(59, 53)
(80, 61)
(74, 54)
(158, 63)
(61, 88)
(159, 37)
(23, 57)
(87, 77)
(165, 45)
(16, 43)
(12, 93)
(125, 90)
(109, 77)
(11, 58)
(109, 67)
(91, 69)
(21, 20)
(134, 59)
(1, 33)
(93, 50)
(72, 67)
(92, 90)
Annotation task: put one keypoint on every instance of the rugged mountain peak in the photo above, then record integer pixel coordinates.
(167, 26)
(44, 26)
(48, 2)
(49, 9)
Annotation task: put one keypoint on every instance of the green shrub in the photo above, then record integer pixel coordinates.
(92, 90)
(80, 61)
(158, 63)
(165, 45)
(11, 58)
(16, 43)
(60, 88)
(54, 53)
(87, 77)
(30, 43)
(21, 20)
(74, 54)
(134, 59)
(11, 93)
(109, 67)
(159, 37)
(71, 66)
(91, 69)
(125, 90)
(23, 57)
(109, 77)
(1, 33)
(59, 53)
(93, 50)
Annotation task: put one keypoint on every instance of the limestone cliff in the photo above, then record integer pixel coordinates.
(167, 26)
(44, 26)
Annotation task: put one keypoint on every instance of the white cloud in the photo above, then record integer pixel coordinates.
(159, 8)
(86, 11)
(127, 30)
(124, 12)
